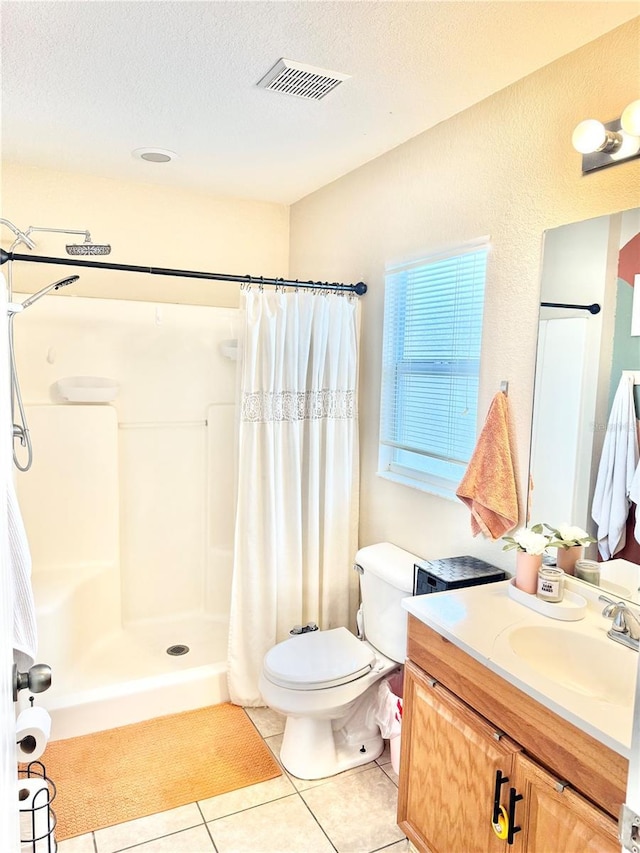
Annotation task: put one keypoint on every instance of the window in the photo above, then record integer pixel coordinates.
(431, 360)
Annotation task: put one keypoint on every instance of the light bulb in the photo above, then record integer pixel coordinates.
(630, 145)
(589, 136)
(630, 118)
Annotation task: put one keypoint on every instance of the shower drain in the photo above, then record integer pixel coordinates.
(178, 649)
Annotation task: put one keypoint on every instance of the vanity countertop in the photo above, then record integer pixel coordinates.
(572, 668)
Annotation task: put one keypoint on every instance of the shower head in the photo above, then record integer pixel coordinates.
(63, 282)
(88, 247)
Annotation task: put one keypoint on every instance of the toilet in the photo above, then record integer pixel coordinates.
(326, 682)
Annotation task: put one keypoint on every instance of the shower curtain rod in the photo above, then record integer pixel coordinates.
(359, 289)
(592, 309)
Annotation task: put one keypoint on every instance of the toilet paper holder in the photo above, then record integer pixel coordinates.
(37, 817)
(37, 679)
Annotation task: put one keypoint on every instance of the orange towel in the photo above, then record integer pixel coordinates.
(488, 487)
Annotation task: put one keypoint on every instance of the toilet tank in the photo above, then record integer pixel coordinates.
(386, 578)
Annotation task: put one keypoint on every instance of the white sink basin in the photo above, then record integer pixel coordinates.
(589, 665)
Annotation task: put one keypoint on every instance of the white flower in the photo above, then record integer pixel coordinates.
(569, 532)
(528, 540)
(566, 535)
(532, 543)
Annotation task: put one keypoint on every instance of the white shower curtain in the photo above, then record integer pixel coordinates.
(296, 522)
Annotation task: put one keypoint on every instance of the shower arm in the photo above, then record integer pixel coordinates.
(31, 228)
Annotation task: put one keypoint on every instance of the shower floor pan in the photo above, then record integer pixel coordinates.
(128, 676)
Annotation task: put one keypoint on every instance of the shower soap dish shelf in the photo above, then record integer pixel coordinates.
(229, 349)
(86, 389)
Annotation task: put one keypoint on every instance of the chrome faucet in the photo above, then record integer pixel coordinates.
(625, 628)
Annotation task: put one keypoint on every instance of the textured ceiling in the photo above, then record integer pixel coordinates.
(85, 83)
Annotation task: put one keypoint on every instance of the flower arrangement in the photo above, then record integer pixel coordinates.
(567, 535)
(529, 540)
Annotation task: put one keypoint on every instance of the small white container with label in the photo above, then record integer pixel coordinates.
(550, 584)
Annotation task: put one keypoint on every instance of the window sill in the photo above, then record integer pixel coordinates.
(421, 485)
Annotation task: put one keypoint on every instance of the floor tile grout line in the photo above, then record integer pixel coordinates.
(166, 835)
(376, 849)
(206, 826)
(208, 830)
(156, 837)
(251, 808)
(322, 829)
(388, 846)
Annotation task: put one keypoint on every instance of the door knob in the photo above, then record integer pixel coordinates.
(37, 679)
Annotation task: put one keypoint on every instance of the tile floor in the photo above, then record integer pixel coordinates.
(354, 812)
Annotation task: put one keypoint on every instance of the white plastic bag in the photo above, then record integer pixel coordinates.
(388, 712)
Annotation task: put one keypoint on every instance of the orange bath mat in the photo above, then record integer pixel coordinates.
(133, 771)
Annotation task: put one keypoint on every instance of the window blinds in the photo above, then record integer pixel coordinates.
(431, 358)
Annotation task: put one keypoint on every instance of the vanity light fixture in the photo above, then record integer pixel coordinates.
(605, 144)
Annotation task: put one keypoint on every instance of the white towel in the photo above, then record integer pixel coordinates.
(618, 464)
(25, 635)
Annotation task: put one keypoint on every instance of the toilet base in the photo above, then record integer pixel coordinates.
(312, 749)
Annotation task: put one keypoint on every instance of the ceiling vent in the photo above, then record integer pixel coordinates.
(304, 81)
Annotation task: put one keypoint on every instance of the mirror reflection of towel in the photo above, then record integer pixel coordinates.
(488, 487)
(634, 497)
(618, 463)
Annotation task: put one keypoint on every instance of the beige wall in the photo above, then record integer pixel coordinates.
(504, 168)
(146, 224)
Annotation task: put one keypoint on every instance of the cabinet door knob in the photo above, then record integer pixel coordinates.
(514, 797)
(500, 781)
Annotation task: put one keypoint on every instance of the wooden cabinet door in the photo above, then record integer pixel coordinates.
(448, 766)
(556, 820)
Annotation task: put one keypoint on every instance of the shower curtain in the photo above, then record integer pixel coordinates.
(297, 508)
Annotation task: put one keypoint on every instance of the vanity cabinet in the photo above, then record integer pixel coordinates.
(554, 817)
(454, 757)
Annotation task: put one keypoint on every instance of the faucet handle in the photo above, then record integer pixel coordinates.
(612, 608)
(609, 600)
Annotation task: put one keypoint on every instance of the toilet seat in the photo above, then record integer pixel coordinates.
(318, 659)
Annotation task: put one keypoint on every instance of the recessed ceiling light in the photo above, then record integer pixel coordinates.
(155, 155)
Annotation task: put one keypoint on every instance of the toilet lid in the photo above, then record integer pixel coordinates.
(318, 659)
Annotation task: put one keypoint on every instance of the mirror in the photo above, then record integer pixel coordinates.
(580, 359)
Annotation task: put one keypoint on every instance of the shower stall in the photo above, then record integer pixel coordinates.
(129, 503)
(126, 450)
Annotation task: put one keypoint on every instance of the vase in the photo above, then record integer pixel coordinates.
(527, 566)
(566, 559)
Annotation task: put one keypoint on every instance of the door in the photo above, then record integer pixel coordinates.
(632, 804)
(554, 817)
(450, 758)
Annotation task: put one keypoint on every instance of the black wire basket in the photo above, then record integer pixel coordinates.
(37, 821)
